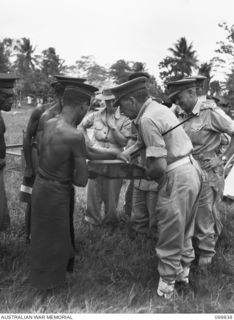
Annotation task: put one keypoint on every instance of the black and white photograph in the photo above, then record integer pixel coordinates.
(116, 159)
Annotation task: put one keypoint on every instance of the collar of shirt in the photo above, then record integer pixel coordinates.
(202, 98)
(142, 110)
(195, 111)
(197, 107)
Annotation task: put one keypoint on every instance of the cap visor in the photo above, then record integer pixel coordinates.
(173, 94)
(104, 97)
(7, 90)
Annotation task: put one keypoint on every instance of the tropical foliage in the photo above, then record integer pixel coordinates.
(36, 70)
(181, 63)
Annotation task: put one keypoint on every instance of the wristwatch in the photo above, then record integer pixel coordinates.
(224, 159)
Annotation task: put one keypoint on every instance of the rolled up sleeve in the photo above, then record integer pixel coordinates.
(152, 138)
(88, 120)
(221, 122)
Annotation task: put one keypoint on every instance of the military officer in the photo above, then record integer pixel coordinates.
(141, 194)
(206, 122)
(111, 131)
(169, 163)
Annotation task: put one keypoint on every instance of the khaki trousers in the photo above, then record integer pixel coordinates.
(102, 190)
(143, 217)
(208, 225)
(178, 195)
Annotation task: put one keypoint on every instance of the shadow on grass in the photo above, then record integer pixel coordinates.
(113, 274)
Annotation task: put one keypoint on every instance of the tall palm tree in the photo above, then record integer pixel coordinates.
(181, 63)
(184, 58)
(205, 70)
(25, 59)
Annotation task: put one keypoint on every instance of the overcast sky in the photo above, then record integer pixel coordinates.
(135, 30)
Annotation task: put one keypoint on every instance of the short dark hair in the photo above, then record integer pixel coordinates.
(58, 89)
(73, 98)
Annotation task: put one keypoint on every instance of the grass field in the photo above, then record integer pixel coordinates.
(113, 274)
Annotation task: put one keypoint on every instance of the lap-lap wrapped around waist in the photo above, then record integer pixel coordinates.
(49, 195)
(50, 231)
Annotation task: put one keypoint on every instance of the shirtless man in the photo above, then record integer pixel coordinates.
(31, 152)
(31, 140)
(62, 162)
(59, 87)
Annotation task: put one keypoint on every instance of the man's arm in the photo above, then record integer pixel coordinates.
(156, 167)
(230, 150)
(131, 152)
(155, 151)
(122, 135)
(118, 136)
(80, 174)
(85, 124)
(100, 153)
(80, 152)
(221, 123)
(41, 124)
(27, 140)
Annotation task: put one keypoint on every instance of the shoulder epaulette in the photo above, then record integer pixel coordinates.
(208, 104)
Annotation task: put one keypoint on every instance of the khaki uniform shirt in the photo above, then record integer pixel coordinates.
(141, 184)
(206, 127)
(102, 134)
(202, 98)
(153, 121)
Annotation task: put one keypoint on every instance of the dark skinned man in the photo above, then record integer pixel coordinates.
(62, 163)
(6, 101)
(37, 120)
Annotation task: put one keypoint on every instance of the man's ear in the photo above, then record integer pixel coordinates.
(84, 106)
(132, 100)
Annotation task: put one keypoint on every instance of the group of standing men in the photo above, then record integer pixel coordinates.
(180, 154)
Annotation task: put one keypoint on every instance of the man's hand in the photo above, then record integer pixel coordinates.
(124, 157)
(211, 163)
(28, 172)
(87, 124)
(111, 122)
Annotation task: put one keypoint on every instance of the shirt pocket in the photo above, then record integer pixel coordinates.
(198, 126)
(98, 125)
(196, 133)
(100, 131)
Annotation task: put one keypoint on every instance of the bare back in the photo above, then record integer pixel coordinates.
(48, 114)
(60, 146)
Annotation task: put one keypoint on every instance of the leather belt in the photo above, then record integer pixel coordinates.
(178, 163)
